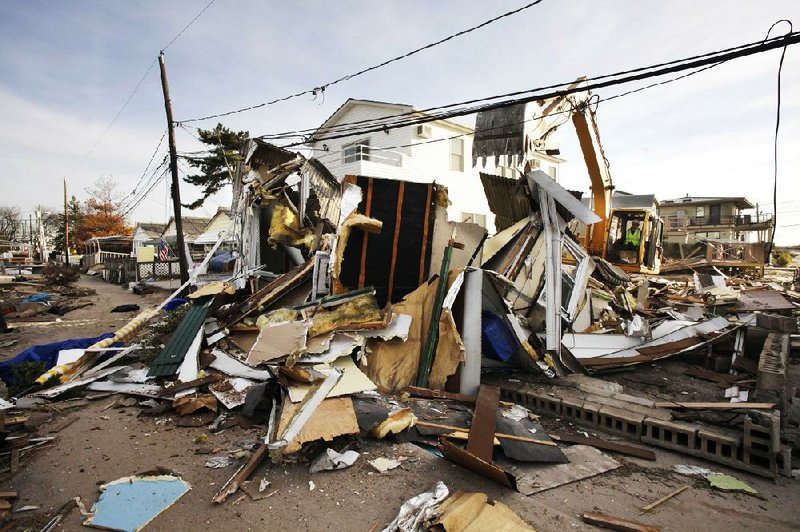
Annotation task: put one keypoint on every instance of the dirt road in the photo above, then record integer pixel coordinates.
(105, 443)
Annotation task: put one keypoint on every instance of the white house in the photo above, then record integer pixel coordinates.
(439, 151)
(145, 232)
(221, 221)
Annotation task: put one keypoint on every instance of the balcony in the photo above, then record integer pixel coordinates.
(365, 152)
(743, 222)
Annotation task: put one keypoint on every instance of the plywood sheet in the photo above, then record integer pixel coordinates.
(584, 462)
(333, 417)
(277, 340)
(353, 381)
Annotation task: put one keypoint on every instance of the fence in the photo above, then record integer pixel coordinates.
(170, 269)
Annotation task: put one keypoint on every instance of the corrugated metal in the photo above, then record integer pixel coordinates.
(507, 200)
(169, 360)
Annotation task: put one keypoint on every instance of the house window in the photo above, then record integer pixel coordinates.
(713, 234)
(357, 151)
(457, 155)
(474, 217)
(701, 211)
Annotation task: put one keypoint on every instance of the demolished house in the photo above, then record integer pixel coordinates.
(355, 307)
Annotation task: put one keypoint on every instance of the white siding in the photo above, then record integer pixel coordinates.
(428, 160)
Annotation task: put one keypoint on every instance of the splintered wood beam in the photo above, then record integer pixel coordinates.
(617, 523)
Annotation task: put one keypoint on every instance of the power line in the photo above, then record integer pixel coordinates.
(136, 89)
(321, 88)
(775, 145)
(439, 109)
(642, 73)
(146, 168)
(187, 26)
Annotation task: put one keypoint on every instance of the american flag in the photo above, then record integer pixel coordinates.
(163, 251)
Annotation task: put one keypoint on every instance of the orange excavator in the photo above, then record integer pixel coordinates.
(627, 236)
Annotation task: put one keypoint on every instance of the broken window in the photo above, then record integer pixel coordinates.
(357, 151)
(457, 155)
(701, 211)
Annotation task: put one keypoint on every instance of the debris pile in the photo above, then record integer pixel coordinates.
(356, 309)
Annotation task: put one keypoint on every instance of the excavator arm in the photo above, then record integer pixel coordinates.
(583, 118)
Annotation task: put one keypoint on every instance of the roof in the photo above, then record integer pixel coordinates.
(192, 226)
(151, 229)
(739, 201)
(400, 107)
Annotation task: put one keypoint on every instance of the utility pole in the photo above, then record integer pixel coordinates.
(173, 166)
(30, 235)
(66, 226)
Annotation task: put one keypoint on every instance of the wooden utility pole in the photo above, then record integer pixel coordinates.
(173, 166)
(66, 226)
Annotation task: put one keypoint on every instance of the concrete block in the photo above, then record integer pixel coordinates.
(678, 436)
(716, 444)
(628, 424)
(775, 322)
(772, 363)
(641, 401)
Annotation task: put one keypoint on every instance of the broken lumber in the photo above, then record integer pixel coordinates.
(617, 523)
(497, 434)
(181, 386)
(621, 448)
(664, 499)
(715, 406)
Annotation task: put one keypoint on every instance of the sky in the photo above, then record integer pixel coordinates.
(67, 68)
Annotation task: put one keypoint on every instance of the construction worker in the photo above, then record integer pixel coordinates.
(633, 236)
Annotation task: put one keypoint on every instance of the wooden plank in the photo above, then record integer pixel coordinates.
(713, 376)
(8, 494)
(629, 450)
(362, 276)
(716, 406)
(481, 437)
(617, 523)
(499, 435)
(425, 226)
(397, 223)
(664, 499)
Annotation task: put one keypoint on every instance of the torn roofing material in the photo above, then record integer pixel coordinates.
(130, 503)
(505, 199)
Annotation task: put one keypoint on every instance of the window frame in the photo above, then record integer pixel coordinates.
(359, 152)
(462, 148)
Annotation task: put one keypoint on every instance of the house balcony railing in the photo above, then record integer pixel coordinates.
(364, 152)
(741, 221)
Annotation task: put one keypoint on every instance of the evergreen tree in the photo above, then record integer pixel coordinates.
(217, 165)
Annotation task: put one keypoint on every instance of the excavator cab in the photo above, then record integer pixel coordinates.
(634, 241)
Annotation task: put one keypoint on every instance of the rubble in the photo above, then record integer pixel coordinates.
(380, 319)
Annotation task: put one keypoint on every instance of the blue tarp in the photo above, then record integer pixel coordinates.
(36, 298)
(47, 353)
(217, 264)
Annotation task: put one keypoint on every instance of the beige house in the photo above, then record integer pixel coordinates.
(691, 219)
(221, 221)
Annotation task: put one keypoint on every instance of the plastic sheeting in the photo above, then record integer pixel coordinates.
(47, 353)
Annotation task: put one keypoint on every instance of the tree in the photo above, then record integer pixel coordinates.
(10, 223)
(218, 164)
(75, 213)
(103, 216)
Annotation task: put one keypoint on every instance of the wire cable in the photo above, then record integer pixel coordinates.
(187, 26)
(452, 110)
(321, 88)
(775, 145)
(653, 71)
